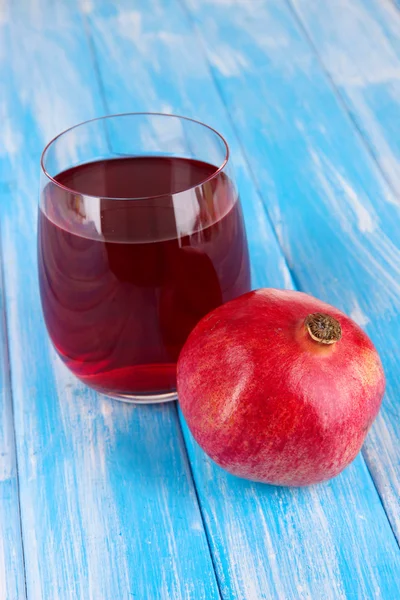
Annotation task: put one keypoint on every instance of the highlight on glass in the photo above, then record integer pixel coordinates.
(140, 235)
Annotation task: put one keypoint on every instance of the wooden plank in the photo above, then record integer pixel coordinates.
(12, 576)
(332, 541)
(359, 46)
(358, 43)
(338, 221)
(109, 509)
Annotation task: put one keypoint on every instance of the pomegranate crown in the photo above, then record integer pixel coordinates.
(323, 328)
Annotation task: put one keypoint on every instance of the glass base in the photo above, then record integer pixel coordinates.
(144, 398)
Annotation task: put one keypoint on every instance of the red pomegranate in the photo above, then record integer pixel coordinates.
(279, 387)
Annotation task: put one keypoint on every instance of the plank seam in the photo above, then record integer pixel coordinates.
(8, 380)
(248, 164)
(379, 496)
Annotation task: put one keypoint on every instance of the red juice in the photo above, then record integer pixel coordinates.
(123, 282)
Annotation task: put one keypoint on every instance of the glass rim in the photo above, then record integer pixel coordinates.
(218, 170)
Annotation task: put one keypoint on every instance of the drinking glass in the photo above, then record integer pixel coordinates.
(140, 235)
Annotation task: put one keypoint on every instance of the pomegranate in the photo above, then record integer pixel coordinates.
(279, 387)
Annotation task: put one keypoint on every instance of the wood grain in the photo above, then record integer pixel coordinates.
(107, 500)
(332, 541)
(108, 506)
(12, 576)
(361, 53)
(337, 219)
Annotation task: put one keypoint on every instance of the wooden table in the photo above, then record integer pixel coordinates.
(100, 500)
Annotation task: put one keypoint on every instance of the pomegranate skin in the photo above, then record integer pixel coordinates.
(269, 403)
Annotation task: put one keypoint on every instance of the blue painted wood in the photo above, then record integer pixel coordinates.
(338, 221)
(361, 52)
(12, 576)
(108, 506)
(332, 541)
(107, 512)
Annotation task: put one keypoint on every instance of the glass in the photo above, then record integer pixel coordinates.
(140, 235)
